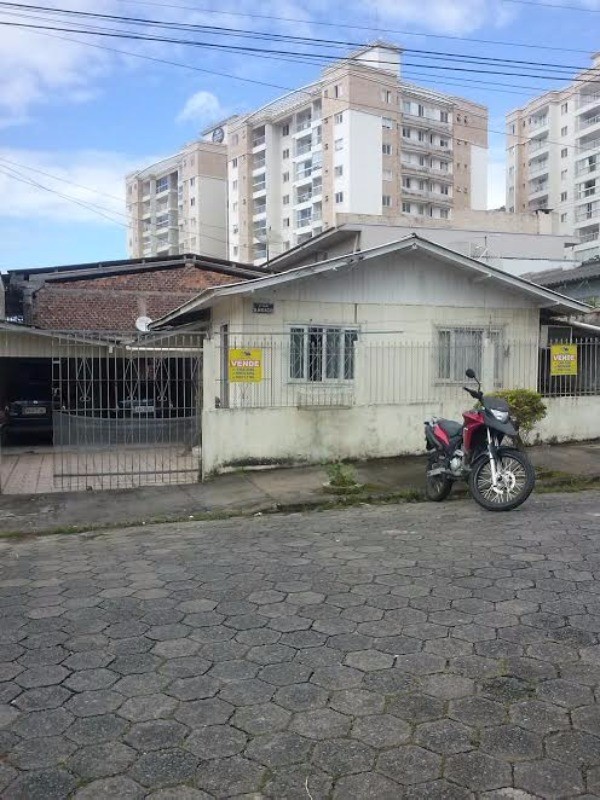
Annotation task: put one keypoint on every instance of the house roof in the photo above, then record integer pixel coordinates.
(560, 277)
(104, 268)
(545, 297)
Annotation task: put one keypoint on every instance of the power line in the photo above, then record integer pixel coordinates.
(338, 25)
(270, 36)
(554, 5)
(285, 54)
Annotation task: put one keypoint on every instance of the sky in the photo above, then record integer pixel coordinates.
(78, 112)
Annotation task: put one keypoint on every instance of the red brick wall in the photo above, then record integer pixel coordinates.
(114, 303)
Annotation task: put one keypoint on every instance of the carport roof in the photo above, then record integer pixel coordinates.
(545, 297)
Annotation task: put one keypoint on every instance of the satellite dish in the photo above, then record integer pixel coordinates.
(142, 323)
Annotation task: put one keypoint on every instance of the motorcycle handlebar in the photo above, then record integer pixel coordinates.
(473, 393)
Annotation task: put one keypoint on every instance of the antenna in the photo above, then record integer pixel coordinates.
(142, 323)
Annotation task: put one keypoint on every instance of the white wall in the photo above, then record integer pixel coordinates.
(570, 419)
(362, 162)
(479, 177)
(211, 208)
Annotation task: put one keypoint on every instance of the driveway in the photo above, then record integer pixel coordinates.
(413, 651)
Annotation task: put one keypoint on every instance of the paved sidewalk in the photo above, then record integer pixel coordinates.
(415, 652)
(247, 492)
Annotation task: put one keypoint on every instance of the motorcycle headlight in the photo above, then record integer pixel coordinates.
(501, 416)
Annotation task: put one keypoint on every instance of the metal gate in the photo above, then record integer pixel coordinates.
(126, 412)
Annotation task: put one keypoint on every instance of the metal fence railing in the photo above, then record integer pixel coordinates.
(334, 366)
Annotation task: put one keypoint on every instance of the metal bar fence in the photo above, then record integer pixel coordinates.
(334, 367)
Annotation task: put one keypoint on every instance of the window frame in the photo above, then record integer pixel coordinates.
(456, 371)
(345, 365)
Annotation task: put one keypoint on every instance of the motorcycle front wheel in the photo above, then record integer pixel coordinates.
(516, 479)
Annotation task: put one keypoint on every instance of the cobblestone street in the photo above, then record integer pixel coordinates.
(404, 651)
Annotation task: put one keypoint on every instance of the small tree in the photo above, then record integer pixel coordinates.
(526, 406)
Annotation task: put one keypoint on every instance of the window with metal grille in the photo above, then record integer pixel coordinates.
(461, 348)
(322, 353)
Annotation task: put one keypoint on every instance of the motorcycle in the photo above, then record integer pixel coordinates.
(500, 477)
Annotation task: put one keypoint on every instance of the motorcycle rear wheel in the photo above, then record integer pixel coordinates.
(517, 478)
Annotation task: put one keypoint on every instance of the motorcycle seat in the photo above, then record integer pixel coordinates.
(452, 428)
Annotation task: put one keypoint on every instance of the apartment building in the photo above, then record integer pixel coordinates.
(179, 205)
(553, 158)
(359, 140)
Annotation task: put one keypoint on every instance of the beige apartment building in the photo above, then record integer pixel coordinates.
(359, 140)
(179, 205)
(553, 158)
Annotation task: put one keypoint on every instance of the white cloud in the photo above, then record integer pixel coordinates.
(202, 107)
(446, 16)
(92, 178)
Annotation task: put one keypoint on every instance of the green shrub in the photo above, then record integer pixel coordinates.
(341, 474)
(526, 406)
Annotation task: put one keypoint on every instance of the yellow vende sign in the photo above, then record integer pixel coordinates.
(563, 359)
(245, 366)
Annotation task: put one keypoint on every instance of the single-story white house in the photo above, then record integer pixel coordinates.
(345, 358)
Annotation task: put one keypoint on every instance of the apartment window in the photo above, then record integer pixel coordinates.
(388, 123)
(386, 149)
(564, 131)
(337, 91)
(563, 174)
(564, 152)
(286, 222)
(563, 197)
(320, 353)
(443, 142)
(338, 171)
(338, 144)
(444, 213)
(458, 118)
(388, 175)
(235, 139)
(406, 208)
(192, 182)
(444, 116)
(286, 177)
(386, 201)
(234, 163)
(461, 348)
(563, 217)
(339, 197)
(285, 131)
(406, 106)
(444, 189)
(420, 210)
(234, 186)
(422, 136)
(235, 250)
(192, 201)
(285, 200)
(406, 183)
(386, 95)
(286, 153)
(338, 119)
(162, 184)
(564, 108)
(406, 133)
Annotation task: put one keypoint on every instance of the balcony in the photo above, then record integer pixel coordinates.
(259, 209)
(260, 186)
(586, 214)
(420, 169)
(304, 149)
(589, 255)
(591, 144)
(303, 124)
(587, 168)
(304, 222)
(414, 192)
(536, 145)
(539, 168)
(317, 187)
(426, 122)
(587, 122)
(591, 191)
(588, 99)
(258, 141)
(415, 144)
(538, 189)
(258, 164)
(539, 122)
(303, 174)
(593, 236)
(303, 197)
